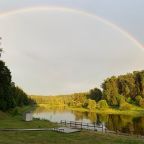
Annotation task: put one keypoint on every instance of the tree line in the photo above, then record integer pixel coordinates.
(11, 96)
(122, 92)
(125, 89)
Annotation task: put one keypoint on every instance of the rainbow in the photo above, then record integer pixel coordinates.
(70, 10)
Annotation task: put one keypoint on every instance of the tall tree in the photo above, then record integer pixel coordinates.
(95, 94)
(6, 99)
(110, 90)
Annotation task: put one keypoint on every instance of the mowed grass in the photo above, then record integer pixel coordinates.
(50, 137)
(7, 120)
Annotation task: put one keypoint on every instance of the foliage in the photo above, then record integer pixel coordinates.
(138, 99)
(130, 86)
(10, 95)
(91, 104)
(76, 99)
(117, 92)
(120, 99)
(141, 102)
(95, 94)
(125, 106)
(102, 104)
(110, 90)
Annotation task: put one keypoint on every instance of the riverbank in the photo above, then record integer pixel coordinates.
(7, 120)
(135, 111)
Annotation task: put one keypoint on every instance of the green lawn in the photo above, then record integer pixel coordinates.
(49, 137)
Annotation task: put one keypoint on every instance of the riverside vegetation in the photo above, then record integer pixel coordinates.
(123, 94)
(14, 101)
(9, 120)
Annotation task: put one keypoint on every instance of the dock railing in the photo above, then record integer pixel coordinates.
(96, 127)
(83, 125)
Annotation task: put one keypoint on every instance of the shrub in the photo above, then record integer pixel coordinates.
(91, 104)
(120, 99)
(85, 104)
(131, 101)
(138, 99)
(125, 106)
(102, 104)
(141, 102)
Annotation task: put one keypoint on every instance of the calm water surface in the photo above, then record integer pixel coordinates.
(123, 123)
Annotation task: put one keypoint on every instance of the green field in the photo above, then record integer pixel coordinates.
(48, 137)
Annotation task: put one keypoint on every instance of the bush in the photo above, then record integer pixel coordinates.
(138, 99)
(141, 102)
(85, 104)
(91, 104)
(125, 106)
(131, 101)
(102, 104)
(120, 99)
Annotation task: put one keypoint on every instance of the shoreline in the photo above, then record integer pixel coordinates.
(9, 121)
(136, 112)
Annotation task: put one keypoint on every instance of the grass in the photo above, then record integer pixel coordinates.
(7, 120)
(49, 137)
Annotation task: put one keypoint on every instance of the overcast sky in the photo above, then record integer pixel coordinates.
(58, 51)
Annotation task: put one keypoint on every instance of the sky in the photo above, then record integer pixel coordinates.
(64, 46)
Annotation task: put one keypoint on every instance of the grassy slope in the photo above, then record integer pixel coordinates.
(47, 137)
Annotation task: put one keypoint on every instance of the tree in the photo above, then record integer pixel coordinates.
(139, 81)
(6, 99)
(95, 94)
(10, 95)
(110, 90)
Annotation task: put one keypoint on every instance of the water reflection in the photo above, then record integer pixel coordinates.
(122, 123)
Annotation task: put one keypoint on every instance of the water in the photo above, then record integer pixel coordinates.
(123, 123)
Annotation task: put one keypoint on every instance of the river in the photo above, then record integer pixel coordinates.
(123, 123)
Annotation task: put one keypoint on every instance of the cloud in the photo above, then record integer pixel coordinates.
(52, 52)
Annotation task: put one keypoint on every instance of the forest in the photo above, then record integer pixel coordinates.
(11, 96)
(122, 92)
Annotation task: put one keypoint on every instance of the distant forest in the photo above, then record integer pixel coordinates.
(11, 96)
(120, 92)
